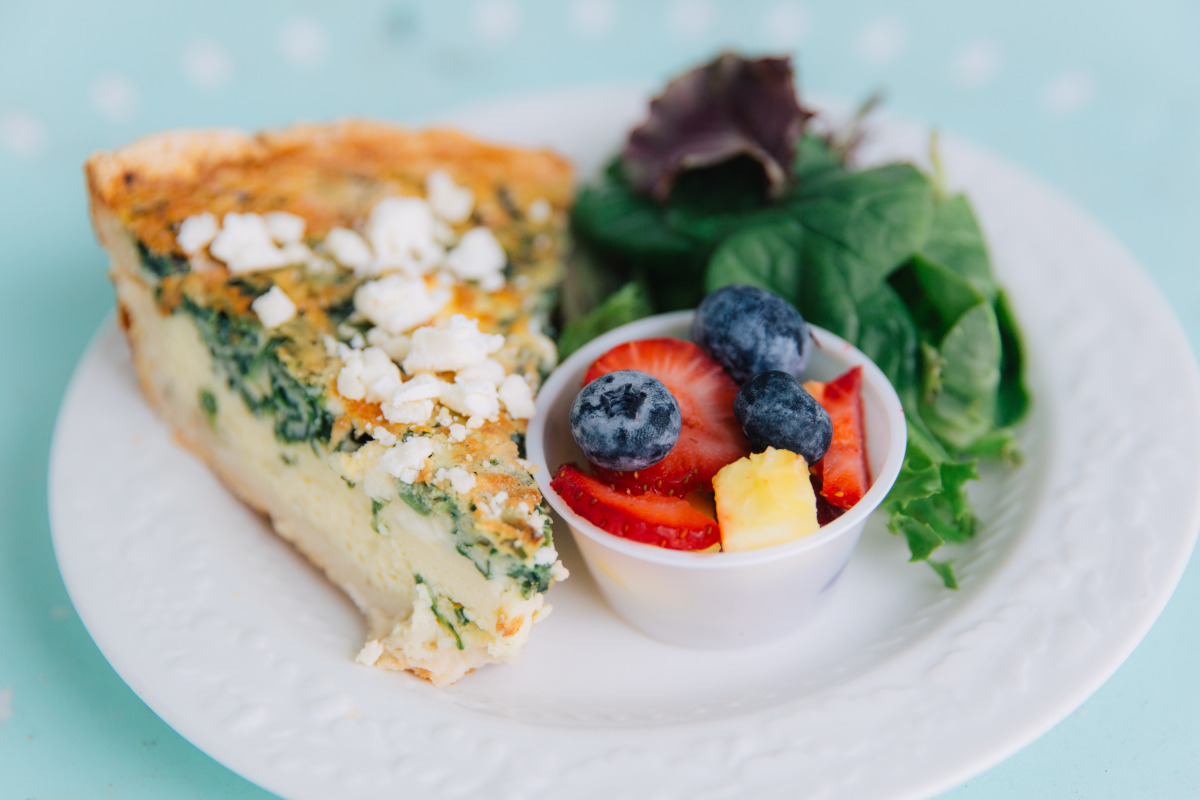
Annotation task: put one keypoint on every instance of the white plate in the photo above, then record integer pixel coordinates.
(900, 688)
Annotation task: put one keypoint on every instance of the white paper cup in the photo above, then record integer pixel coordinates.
(716, 600)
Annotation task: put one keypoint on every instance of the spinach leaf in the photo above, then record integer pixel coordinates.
(255, 369)
(627, 304)
(1013, 399)
(619, 223)
(160, 265)
(766, 256)
(815, 156)
(956, 241)
(871, 221)
(961, 375)
(888, 336)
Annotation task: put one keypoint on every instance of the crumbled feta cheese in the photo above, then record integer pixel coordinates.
(273, 307)
(401, 232)
(545, 555)
(245, 245)
(397, 304)
(458, 432)
(539, 211)
(348, 249)
(356, 340)
(451, 347)
(478, 257)
(517, 397)
(284, 228)
(443, 418)
(493, 505)
(413, 412)
(370, 653)
(396, 347)
(319, 265)
(472, 399)
(382, 435)
(296, 253)
(412, 403)
(421, 387)
(443, 234)
(489, 370)
(368, 375)
(196, 232)
(406, 460)
(448, 200)
(461, 481)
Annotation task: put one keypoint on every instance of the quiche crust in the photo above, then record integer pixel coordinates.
(449, 576)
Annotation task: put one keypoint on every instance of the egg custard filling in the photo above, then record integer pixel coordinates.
(345, 323)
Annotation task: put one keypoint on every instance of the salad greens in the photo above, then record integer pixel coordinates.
(883, 257)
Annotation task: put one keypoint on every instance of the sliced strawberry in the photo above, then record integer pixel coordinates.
(710, 437)
(845, 476)
(657, 519)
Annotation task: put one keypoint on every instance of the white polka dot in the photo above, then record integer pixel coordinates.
(114, 96)
(976, 64)
(496, 21)
(690, 18)
(21, 133)
(593, 18)
(208, 65)
(5, 705)
(785, 24)
(882, 41)
(1069, 93)
(303, 41)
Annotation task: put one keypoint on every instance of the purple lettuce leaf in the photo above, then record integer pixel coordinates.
(727, 108)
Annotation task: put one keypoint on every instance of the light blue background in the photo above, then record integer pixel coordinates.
(1100, 99)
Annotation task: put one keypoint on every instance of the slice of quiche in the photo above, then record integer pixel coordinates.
(345, 323)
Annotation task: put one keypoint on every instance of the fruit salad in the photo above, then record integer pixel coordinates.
(716, 444)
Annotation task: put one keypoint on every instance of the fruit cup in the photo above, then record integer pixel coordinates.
(717, 600)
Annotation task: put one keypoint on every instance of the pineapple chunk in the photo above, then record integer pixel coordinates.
(764, 499)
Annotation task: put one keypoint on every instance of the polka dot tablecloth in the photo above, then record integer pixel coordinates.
(1102, 100)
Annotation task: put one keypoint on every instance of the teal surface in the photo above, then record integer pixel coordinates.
(1102, 100)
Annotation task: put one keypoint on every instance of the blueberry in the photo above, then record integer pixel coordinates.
(776, 411)
(625, 420)
(748, 330)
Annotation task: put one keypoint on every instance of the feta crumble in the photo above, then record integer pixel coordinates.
(458, 432)
(539, 211)
(489, 370)
(460, 480)
(395, 346)
(348, 249)
(196, 232)
(413, 412)
(412, 403)
(475, 400)
(478, 257)
(421, 387)
(284, 228)
(401, 232)
(382, 435)
(396, 303)
(245, 244)
(451, 347)
(367, 375)
(274, 307)
(406, 459)
(517, 397)
(451, 202)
